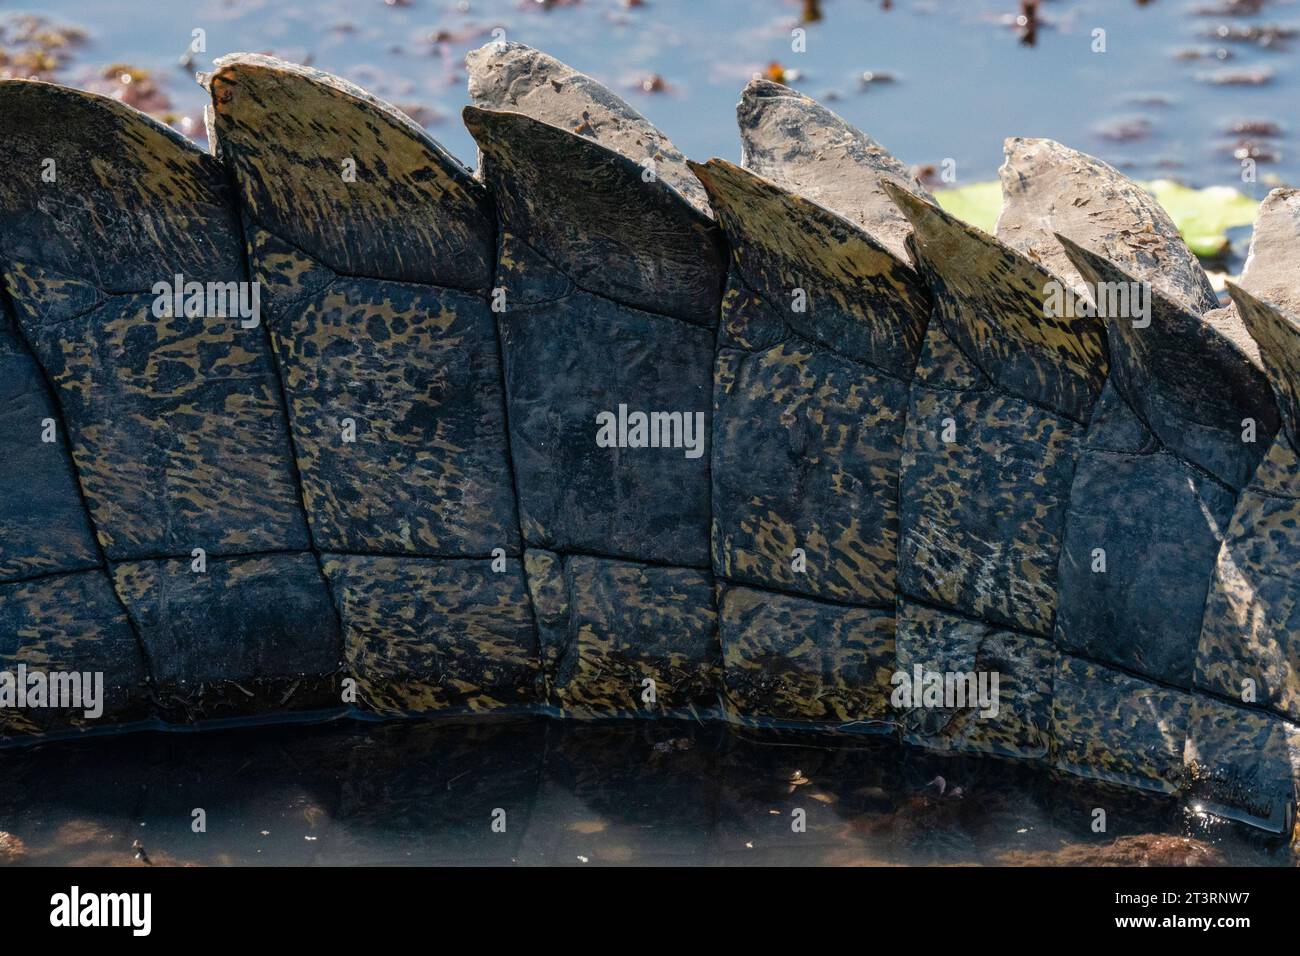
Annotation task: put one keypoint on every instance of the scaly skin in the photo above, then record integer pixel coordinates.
(908, 461)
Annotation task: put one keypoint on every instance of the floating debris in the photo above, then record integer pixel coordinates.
(1147, 849)
(780, 74)
(1027, 22)
(1194, 53)
(1236, 77)
(133, 86)
(870, 78)
(140, 853)
(12, 849)
(32, 47)
(1244, 127)
(1124, 129)
(1264, 36)
(654, 83)
(1231, 8)
(1260, 152)
(1156, 100)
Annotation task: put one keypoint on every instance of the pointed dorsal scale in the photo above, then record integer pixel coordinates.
(1048, 188)
(996, 306)
(1270, 272)
(509, 76)
(1277, 333)
(605, 220)
(346, 178)
(862, 300)
(802, 146)
(1190, 384)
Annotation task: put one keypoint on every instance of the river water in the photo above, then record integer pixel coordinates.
(533, 791)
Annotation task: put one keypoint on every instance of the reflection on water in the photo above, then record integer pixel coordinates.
(560, 792)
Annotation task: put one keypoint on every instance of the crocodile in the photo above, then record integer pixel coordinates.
(382, 490)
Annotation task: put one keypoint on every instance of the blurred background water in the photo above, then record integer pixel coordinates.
(1184, 89)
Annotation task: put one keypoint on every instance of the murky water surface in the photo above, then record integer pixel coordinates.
(1184, 88)
(428, 792)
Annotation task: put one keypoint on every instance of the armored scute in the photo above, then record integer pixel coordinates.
(323, 422)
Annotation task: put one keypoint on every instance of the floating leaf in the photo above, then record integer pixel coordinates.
(977, 204)
(1203, 216)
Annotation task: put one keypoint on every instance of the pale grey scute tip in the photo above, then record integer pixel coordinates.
(517, 78)
(1272, 270)
(1048, 188)
(802, 146)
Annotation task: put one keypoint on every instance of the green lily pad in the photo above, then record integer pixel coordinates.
(977, 204)
(1203, 216)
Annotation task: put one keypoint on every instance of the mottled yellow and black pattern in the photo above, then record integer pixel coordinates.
(809, 401)
(608, 285)
(70, 622)
(1250, 636)
(424, 635)
(1111, 726)
(287, 274)
(1242, 764)
(942, 642)
(383, 327)
(996, 412)
(616, 231)
(819, 333)
(177, 430)
(920, 430)
(632, 631)
(862, 301)
(250, 635)
(132, 201)
(175, 423)
(790, 659)
(982, 515)
(410, 212)
(416, 370)
(548, 587)
(45, 526)
(806, 449)
(991, 301)
(747, 321)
